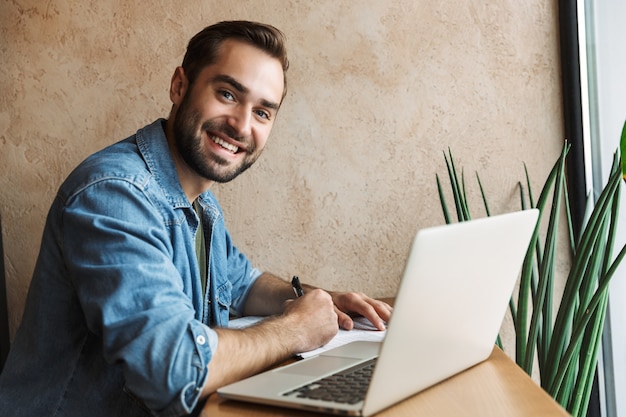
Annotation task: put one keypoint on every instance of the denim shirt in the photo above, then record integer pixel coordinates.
(116, 323)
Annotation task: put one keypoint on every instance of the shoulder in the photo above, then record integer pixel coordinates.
(118, 162)
(134, 159)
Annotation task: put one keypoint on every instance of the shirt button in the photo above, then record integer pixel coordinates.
(201, 340)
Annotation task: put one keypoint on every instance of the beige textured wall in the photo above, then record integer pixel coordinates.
(378, 90)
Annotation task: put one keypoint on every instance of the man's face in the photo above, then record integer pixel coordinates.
(225, 117)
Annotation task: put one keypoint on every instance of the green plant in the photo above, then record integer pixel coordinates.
(565, 346)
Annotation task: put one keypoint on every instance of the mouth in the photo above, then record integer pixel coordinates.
(221, 142)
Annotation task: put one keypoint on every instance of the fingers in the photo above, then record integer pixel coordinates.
(344, 320)
(374, 317)
(383, 309)
(376, 311)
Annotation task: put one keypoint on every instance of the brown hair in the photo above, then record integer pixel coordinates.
(203, 48)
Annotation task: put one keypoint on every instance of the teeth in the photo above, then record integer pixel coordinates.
(225, 144)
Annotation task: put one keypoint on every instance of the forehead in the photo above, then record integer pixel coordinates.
(261, 74)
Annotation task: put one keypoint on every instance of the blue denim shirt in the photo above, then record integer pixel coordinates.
(116, 322)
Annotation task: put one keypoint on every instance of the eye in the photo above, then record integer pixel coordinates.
(227, 95)
(263, 114)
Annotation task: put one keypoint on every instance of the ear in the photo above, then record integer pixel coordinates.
(178, 86)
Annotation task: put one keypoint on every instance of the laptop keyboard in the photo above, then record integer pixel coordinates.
(347, 387)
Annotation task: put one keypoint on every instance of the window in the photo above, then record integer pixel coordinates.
(603, 86)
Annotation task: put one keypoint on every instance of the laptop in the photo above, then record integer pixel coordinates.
(454, 292)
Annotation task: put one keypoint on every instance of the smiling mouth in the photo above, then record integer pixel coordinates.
(230, 147)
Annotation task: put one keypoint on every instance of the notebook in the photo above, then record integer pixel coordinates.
(452, 298)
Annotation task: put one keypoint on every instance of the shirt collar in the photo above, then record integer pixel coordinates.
(152, 144)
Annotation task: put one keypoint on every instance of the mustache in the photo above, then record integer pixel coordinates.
(225, 129)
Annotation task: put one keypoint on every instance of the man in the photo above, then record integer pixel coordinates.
(129, 303)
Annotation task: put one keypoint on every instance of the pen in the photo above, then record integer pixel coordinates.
(297, 288)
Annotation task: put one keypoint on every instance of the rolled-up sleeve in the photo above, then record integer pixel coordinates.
(206, 343)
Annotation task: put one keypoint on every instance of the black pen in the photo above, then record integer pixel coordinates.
(297, 288)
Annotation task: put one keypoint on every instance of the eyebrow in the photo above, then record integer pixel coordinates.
(243, 89)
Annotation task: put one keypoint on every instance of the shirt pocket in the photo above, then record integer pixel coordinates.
(224, 300)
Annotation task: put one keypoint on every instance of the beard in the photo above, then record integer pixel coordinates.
(188, 141)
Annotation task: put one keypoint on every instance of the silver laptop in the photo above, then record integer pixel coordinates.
(448, 310)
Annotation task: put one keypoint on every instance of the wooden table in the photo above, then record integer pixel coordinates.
(496, 387)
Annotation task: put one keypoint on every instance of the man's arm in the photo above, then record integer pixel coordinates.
(267, 296)
(306, 323)
(300, 325)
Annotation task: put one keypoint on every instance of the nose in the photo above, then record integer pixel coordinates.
(241, 120)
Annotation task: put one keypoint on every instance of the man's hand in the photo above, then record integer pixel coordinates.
(312, 318)
(349, 304)
(269, 292)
